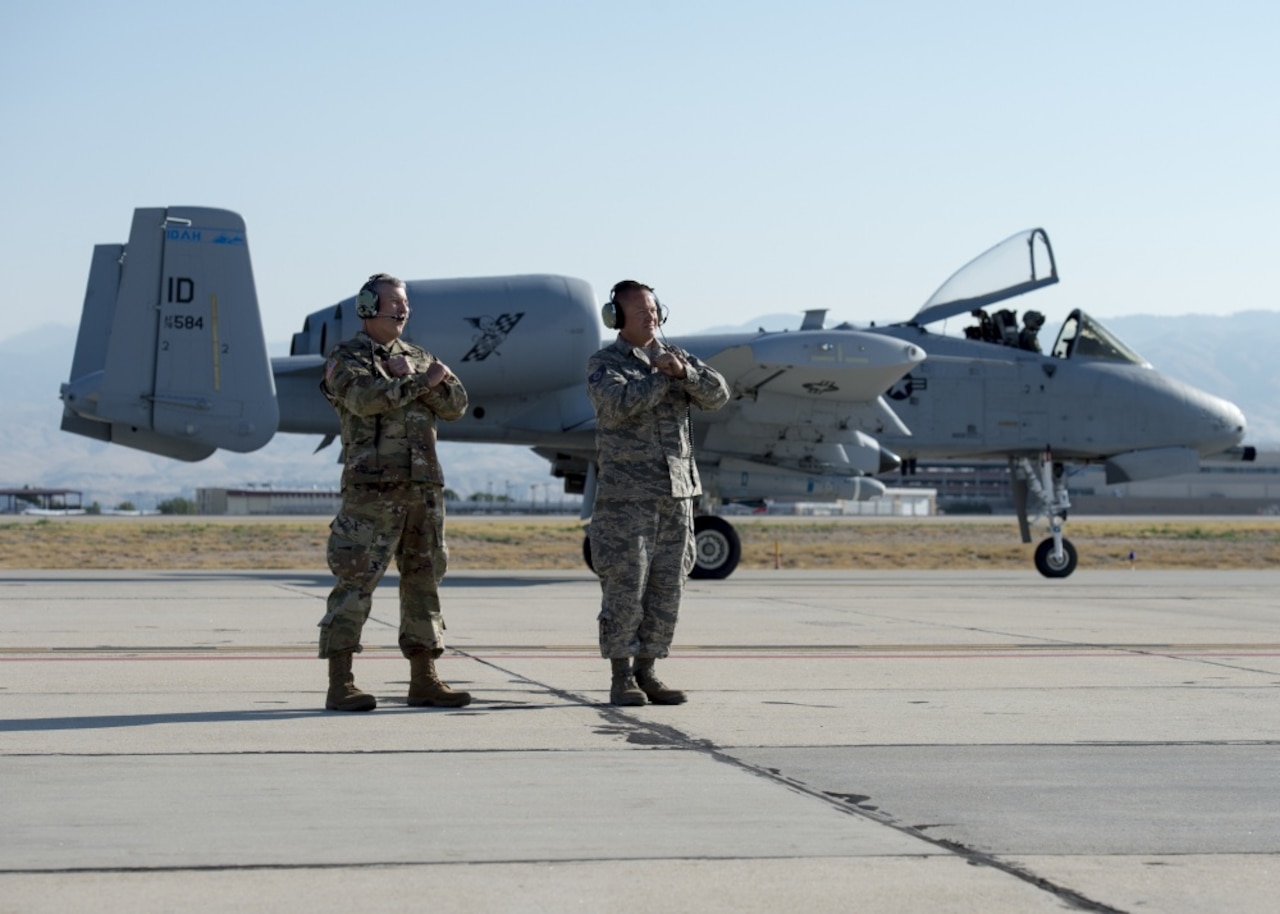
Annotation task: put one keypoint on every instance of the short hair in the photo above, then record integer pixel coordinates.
(628, 285)
(381, 279)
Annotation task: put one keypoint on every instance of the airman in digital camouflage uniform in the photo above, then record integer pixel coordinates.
(388, 395)
(641, 532)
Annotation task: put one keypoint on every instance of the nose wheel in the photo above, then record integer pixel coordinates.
(1055, 566)
(1046, 481)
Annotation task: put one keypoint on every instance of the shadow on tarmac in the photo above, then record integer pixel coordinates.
(462, 579)
(109, 721)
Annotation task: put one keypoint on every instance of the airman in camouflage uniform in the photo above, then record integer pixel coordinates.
(388, 395)
(641, 532)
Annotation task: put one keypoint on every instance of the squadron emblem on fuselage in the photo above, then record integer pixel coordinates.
(493, 330)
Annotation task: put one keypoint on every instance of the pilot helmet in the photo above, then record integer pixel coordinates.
(1033, 320)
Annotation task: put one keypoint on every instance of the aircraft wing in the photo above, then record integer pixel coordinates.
(805, 408)
(835, 365)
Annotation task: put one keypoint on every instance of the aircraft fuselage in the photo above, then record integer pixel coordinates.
(978, 400)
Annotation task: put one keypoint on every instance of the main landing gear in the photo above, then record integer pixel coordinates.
(717, 548)
(1047, 481)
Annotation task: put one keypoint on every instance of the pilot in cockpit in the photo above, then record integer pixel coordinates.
(1002, 328)
(983, 330)
(1028, 337)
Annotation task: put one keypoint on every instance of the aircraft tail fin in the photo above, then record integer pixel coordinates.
(170, 357)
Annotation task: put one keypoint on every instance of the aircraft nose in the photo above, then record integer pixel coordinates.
(1236, 421)
(1231, 418)
(1226, 424)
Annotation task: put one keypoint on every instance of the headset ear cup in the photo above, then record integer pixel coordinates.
(612, 315)
(366, 304)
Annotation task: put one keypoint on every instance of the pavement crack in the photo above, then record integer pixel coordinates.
(653, 733)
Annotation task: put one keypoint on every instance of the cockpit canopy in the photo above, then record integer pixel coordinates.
(1082, 337)
(1020, 264)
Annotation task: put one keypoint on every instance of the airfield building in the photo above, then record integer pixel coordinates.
(1219, 488)
(267, 501)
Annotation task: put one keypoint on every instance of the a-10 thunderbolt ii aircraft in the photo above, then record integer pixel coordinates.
(170, 359)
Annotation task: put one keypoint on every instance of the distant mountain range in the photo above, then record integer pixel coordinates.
(1233, 357)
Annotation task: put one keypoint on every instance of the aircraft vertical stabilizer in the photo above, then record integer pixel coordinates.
(171, 357)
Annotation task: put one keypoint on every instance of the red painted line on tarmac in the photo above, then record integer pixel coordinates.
(118, 658)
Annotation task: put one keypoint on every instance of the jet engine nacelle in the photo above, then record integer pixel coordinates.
(504, 335)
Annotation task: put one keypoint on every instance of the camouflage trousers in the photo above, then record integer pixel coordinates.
(372, 527)
(642, 551)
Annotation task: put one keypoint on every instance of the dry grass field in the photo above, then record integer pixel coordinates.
(556, 543)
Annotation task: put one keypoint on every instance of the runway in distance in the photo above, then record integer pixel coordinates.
(170, 358)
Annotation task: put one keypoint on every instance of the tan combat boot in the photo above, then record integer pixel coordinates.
(652, 686)
(425, 688)
(623, 690)
(343, 694)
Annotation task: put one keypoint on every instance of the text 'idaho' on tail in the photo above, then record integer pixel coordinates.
(170, 357)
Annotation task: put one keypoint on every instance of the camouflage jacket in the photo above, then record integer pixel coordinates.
(388, 423)
(643, 422)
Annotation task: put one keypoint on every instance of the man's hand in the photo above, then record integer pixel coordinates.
(398, 366)
(671, 365)
(437, 372)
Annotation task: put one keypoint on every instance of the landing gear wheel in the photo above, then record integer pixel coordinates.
(716, 547)
(586, 552)
(1050, 567)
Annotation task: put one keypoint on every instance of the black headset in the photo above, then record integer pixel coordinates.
(611, 312)
(367, 298)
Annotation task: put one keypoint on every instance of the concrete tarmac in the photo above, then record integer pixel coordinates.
(881, 741)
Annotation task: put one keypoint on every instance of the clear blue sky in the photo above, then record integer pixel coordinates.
(744, 157)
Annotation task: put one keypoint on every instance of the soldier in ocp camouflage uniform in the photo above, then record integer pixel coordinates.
(641, 532)
(388, 395)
